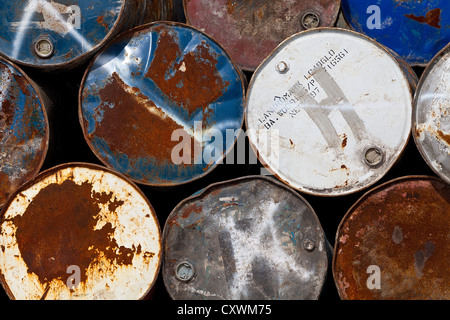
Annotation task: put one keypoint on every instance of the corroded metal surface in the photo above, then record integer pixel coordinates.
(79, 216)
(156, 104)
(329, 111)
(248, 238)
(417, 30)
(393, 243)
(251, 29)
(24, 131)
(64, 34)
(431, 115)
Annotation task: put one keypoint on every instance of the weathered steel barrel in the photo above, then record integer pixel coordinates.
(416, 30)
(24, 129)
(79, 231)
(247, 238)
(329, 111)
(159, 102)
(393, 243)
(64, 34)
(250, 30)
(431, 115)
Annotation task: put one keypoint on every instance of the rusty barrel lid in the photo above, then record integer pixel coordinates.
(244, 239)
(431, 115)
(62, 34)
(24, 129)
(79, 231)
(329, 111)
(158, 102)
(250, 30)
(394, 242)
(416, 30)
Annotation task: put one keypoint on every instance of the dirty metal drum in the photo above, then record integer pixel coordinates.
(79, 231)
(250, 30)
(393, 243)
(329, 111)
(159, 102)
(63, 33)
(431, 115)
(244, 239)
(416, 30)
(24, 129)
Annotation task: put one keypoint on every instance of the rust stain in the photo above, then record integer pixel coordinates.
(432, 18)
(101, 21)
(63, 217)
(444, 137)
(344, 142)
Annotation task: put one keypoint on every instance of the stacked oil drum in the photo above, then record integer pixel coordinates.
(225, 149)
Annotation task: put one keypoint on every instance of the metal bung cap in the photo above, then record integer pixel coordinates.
(416, 30)
(247, 238)
(79, 231)
(431, 115)
(393, 243)
(329, 111)
(250, 30)
(24, 129)
(158, 103)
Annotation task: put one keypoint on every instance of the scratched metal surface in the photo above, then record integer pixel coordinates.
(79, 215)
(417, 30)
(245, 239)
(329, 111)
(157, 90)
(24, 129)
(431, 115)
(250, 30)
(402, 227)
(76, 28)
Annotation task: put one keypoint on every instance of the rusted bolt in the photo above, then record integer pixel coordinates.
(282, 67)
(310, 20)
(185, 271)
(43, 47)
(373, 157)
(309, 245)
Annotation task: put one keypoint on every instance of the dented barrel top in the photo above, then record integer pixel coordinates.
(329, 111)
(79, 231)
(417, 30)
(244, 239)
(24, 129)
(158, 102)
(42, 33)
(393, 243)
(431, 115)
(251, 29)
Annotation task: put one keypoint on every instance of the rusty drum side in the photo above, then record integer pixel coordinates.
(79, 231)
(394, 242)
(250, 29)
(24, 129)
(244, 239)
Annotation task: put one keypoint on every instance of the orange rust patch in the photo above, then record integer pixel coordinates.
(443, 136)
(101, 21)
(432, 18)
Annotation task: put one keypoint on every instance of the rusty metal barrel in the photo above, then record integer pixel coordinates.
(416, 30)
(24, 129)
(159, 102)
(250, 238)
(431, 115)
(329, 111)
(64, 34)
(393, 244)
(251, 29)
(79, 231)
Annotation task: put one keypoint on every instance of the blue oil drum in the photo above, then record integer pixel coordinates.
(162, 103)
(417, 30)
(24, 129)
(63, 33)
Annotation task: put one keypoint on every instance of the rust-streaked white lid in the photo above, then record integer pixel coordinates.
(431, 116)
(79, 231)
(329, 111)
